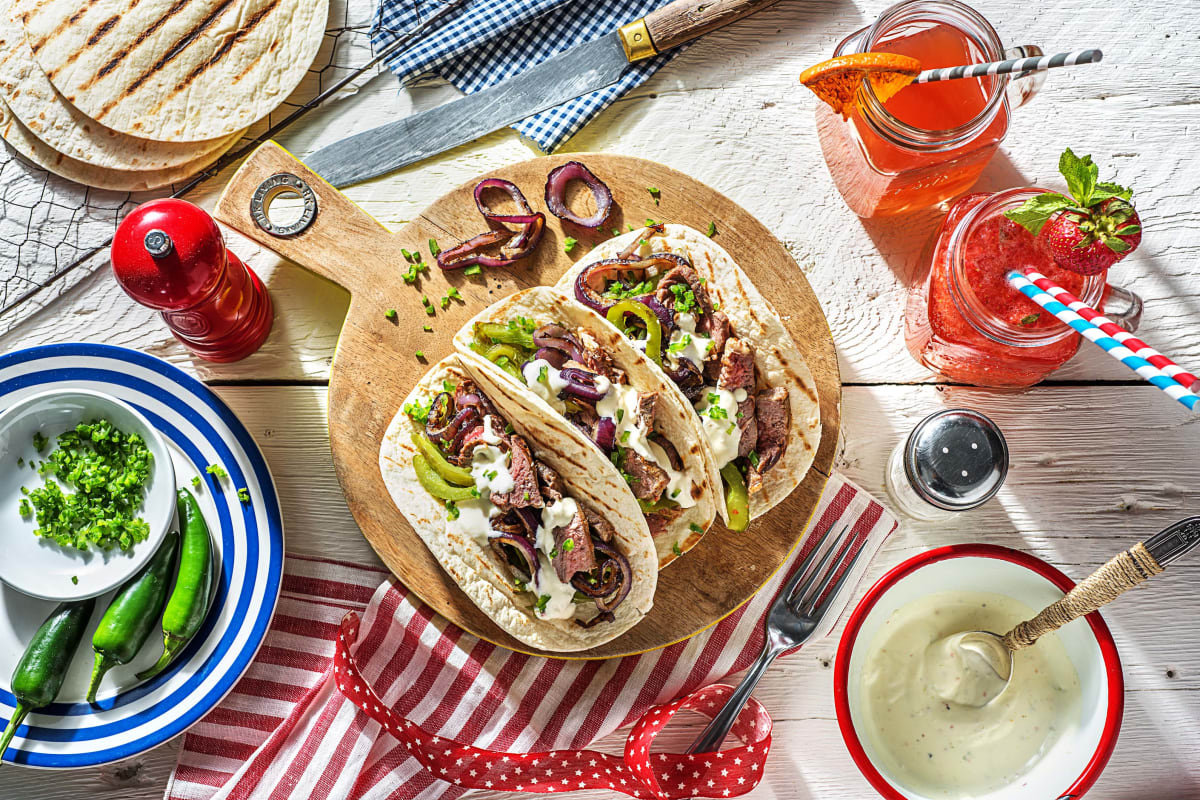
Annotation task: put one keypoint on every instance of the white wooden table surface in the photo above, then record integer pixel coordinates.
(1098, 460)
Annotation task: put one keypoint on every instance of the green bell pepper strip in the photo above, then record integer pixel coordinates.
(193, 593)
(661, 504)
(40, 672)
(131, 615)
(506, 357)
(447, 471)
(502, 334)
(737, 497)
(616, 315)
(436, 485)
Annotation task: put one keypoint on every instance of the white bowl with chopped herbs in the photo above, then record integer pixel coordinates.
(87, 493)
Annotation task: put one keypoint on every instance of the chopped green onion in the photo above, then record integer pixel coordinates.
(569, 244)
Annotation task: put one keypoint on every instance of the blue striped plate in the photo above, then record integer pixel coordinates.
(133, 717)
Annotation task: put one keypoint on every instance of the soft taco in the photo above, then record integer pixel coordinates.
(573, 363)
(521, 511)
(723, 344)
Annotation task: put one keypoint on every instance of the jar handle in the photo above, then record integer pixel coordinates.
(1123, 307)
(1023, 87)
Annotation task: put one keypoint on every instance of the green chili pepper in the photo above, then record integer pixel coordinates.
(194, 582)
(436, 485)
(616, 315)
(40, 672)
(737, 498)
(130, 617)
(661, 504)
(447, 471)
(507, 357)
(496, 332)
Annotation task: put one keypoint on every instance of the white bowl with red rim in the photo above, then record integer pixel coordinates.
(1076, 759)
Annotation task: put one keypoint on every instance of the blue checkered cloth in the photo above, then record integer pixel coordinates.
(488, 41)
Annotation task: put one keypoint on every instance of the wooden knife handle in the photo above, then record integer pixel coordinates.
(684, 20)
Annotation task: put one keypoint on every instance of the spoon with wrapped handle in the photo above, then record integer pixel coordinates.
(972, 668)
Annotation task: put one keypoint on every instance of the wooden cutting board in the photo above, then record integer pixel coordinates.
(375, 365)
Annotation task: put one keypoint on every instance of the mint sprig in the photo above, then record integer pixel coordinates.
(1086, 192)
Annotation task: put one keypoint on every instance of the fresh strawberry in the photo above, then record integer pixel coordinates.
(1088, 231)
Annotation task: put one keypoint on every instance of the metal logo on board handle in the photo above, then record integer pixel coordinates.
(271, 189)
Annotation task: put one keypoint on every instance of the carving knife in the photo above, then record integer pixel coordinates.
(574, 72)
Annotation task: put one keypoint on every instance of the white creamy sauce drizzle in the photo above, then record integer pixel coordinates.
(722, 432)
(620, 404)
(549, 388)
(557, 514)
(560, 605)
(489, 464)
(686, 343)
(474, 519)
(939, 748)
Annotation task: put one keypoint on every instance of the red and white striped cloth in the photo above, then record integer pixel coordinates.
(287, 733)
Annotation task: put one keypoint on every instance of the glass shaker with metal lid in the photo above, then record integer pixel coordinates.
(953, 461)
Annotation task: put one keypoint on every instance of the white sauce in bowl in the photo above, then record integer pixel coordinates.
(939, 748)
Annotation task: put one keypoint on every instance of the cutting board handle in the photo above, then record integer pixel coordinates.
(343, 243)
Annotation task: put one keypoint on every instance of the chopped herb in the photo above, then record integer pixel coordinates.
(1029, 319)
(509, 428)
(522, 324)
(569, 244)
(554, 552)
(430, 310)
(196, 482)
(407, 255)
(434, 248)
(712, 229)
(474, 269)
(490, 474)
(616, 231)
(685, 299)
(244, 495)
(620, 414)
(717, 412)
(651, 223)
(420, 354)
(445, 303)
(447, 386)
(708, 348)
(629, 225)
(75, 580)
(568, 545)
(427, 328)
(753, 457)
(543, 373)
(625, 437)
(425, 301)
(107, 471)
(20, 461)
(694, 528)
(542, 602)
(675, 493)
(713, 398)
(414, 271)
(452, 511)
(527, 496)
(474, 492)
(654, 192)
(519, 584)
(217, 471)
(418, 411)
(619, 291)
(676, 549)
(681, 345)
(390, 314)
(732, 428)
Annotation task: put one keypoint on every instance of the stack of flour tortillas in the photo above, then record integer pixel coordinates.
(132, 95)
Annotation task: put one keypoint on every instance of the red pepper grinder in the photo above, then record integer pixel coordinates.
(169, 255)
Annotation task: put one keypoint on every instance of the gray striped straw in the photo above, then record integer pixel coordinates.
(1032, 64)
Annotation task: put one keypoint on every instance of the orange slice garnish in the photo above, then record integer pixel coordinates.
(836, 81)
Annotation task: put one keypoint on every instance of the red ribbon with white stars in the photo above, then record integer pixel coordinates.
(640, 773)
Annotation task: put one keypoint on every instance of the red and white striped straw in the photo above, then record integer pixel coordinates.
(1139, 348)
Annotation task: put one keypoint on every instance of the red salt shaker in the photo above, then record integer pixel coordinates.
(169, 255)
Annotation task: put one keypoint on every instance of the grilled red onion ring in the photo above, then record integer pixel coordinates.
(553, 355)
(582, 384)
(556, 194)
(606, 434)
(522, 546)
(632, 247)
(555, 337)
(593, 280)
(530, 519)
(519, 243)
(666, 319)
(617, 558)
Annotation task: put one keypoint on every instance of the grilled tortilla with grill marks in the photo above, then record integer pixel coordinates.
(174, 70)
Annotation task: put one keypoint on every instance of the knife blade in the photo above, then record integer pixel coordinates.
(574, 72)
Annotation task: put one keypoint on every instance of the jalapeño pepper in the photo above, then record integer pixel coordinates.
(449, 472)
(737, 498)
(502, 334)
(616, 315)
(40, 672)
(436, 485)
(130, 617)
(193, 592)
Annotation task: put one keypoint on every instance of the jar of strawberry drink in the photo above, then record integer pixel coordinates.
(964, 321)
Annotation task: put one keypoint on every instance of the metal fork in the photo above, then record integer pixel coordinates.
(795, 614)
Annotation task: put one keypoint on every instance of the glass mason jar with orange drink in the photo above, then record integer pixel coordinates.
(965, 321)
(929, 141)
